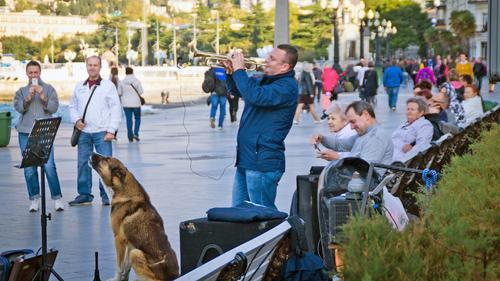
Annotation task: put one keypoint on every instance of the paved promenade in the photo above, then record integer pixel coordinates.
(180, 188)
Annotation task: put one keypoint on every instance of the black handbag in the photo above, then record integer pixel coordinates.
(76, 132)
(143, 101)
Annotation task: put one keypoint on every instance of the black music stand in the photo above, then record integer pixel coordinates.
(36, 153)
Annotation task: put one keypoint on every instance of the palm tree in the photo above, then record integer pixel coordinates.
(463, 24)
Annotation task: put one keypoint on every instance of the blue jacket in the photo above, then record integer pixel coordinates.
(393, 77)
(270, 104)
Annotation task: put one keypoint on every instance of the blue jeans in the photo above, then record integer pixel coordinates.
(86, 145)
(218, 101)
(254, 186)
(393, 96)
(31, 174)
(136, 111)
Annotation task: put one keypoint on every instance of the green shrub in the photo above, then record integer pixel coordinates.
(458, 237)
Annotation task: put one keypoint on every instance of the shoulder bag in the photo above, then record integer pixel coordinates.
(76, 132)
(143, 101)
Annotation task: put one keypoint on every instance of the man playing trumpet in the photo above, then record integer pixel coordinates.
(267, 117)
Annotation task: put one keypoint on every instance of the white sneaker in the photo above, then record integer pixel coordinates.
(59, 205)
(34, 205)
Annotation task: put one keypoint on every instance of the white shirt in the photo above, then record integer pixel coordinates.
(104, 110)
(419, 133)
(473, 108)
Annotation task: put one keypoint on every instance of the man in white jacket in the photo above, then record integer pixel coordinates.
(102, 119)
(129, 91)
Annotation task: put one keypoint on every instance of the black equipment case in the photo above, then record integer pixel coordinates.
(305, 205)
(203, 240)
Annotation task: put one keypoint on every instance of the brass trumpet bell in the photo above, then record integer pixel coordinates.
(214, 59)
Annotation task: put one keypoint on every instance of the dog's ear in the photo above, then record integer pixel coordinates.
(119, 173)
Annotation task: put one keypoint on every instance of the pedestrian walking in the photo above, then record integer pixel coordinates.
(425, 73)
(479, 70)
(215, 84)
(306, 96)
(233, 106)
(361, 69)
(270, 104)
(330, 81)
(318, 82)
(464, 66)
(370, 84)
(130, 91)
(37, 100)
(113, 76)
(392, 80)
(98, 122)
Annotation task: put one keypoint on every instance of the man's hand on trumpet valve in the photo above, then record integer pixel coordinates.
(237, 60)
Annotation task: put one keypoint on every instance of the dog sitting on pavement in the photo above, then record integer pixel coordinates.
(140, 239)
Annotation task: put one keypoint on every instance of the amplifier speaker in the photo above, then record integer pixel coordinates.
(305, 206)
(203, 240)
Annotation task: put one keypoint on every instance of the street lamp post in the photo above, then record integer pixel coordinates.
(129, 45)
(362, 17)
(157, 43)
(217, 35)
(194, 30)
(336, 53)
(377, 25)
(389, 30)
(174, 41)
(144, 34)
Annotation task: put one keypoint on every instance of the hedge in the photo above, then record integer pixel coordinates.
(457, 237)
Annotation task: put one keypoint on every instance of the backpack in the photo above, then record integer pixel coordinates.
(6, 260)
(302, 265)
(208, 85)
(220, 81)
(425, 76)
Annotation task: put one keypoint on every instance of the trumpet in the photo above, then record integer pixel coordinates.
(214, 59)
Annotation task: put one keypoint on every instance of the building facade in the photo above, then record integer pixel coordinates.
(478, 44)
(36, 27)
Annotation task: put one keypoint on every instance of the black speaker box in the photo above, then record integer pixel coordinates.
(203, 240)
(305, 206)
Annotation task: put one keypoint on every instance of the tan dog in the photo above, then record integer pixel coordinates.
(140, 239)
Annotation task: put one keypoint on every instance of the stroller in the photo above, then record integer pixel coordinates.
(346, 188)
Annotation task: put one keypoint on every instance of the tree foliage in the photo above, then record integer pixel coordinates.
(442, 41)
(310, 27)
(21, 5)
(463, 25)
(22, 47)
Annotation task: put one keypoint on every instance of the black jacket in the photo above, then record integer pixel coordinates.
(370, 82)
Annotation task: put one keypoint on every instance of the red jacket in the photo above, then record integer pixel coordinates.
(330, 79)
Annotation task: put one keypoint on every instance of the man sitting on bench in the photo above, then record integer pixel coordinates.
(370, 144)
